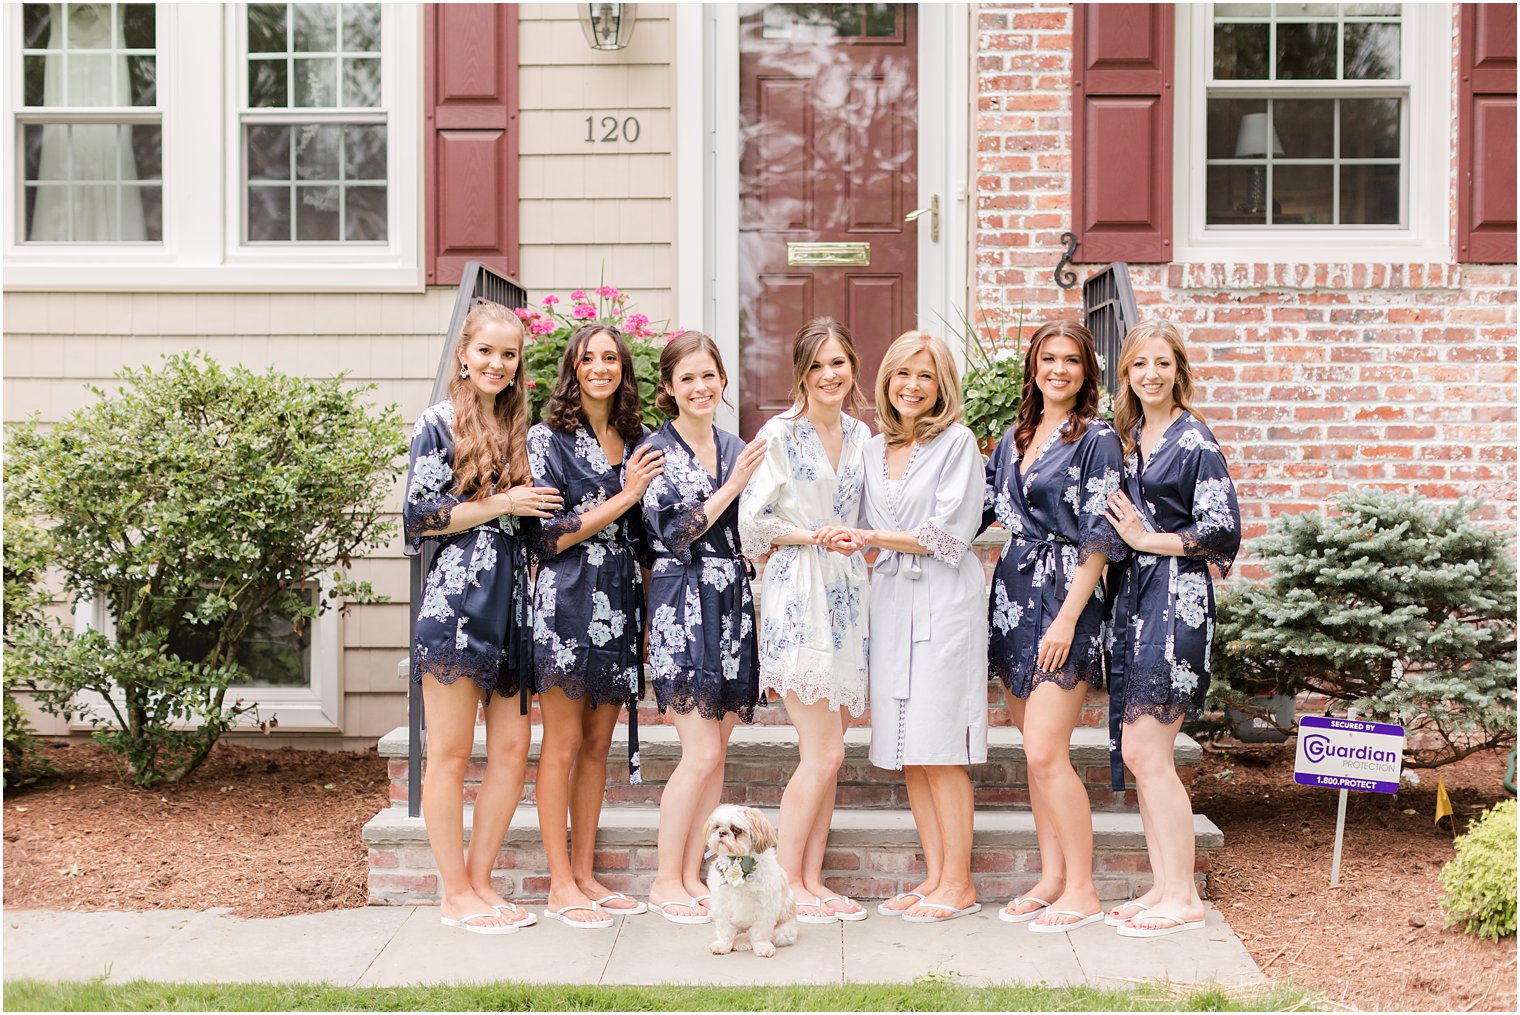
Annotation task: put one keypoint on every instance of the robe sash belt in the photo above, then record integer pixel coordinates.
(910, 565)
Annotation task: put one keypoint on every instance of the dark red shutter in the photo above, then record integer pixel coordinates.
(471, 138)
(1121, 202)
(1486, 135)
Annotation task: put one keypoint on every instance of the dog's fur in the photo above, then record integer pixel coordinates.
(761, 909)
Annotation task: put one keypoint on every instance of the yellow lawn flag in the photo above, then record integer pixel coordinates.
(1443, 803)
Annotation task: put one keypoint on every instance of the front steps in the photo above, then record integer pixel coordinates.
(872, 854)
(873, 847)
(762, 758)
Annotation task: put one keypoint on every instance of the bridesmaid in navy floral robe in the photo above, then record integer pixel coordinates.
(1048, 481)
(1179, 514)
(466, 492)
(588, 624)
(703, 659)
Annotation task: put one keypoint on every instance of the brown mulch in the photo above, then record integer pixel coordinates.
(1378, 940)
(269, 832)
(277, 832)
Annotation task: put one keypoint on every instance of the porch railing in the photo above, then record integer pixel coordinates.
(1109, 311)
(477, 281)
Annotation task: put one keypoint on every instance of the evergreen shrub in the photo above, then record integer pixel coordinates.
(1387, 604)
(196, 505)
(1479, 882)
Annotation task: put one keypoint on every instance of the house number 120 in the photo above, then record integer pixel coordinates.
(612, 130)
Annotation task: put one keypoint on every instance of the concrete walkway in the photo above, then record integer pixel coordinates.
(383, 946)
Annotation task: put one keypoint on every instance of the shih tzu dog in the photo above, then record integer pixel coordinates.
(750, 894)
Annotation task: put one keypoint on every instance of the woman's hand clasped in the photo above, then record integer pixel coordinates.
(1125, 519)
(531, 501)
(840, 539)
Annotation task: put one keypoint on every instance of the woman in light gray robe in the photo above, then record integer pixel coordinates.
(928, 651)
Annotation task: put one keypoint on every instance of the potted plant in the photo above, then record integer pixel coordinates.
(994, 375)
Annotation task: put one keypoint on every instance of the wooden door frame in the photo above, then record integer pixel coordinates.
(707, 172)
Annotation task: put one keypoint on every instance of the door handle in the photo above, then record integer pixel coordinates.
(932, 210)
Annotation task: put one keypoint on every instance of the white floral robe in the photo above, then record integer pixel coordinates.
(813, 622)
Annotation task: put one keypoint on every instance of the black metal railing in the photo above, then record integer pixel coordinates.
(1108, 310)
(477, 281)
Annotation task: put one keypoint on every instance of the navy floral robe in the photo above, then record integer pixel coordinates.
(474, 619)
(1055, 521)
(588, 600)
(1163, 628)
(702, 651)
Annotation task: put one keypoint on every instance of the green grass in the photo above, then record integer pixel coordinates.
(930, 993)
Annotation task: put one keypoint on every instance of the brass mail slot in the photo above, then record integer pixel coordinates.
(828, 253)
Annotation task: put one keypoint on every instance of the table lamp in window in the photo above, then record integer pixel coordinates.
(1255, 140)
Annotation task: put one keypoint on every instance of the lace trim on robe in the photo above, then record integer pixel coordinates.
(1215, 546)
(551, 530)
(449, 665)
(691, 526)
(942, 546)
(756, 540)
(608, 684)
(815, 685)
(684, 691)
(1073, 673)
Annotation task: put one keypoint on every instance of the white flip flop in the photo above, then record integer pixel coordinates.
(528, 920)
(694, 919)
(1178, 926)
(828, 915)
(464, 924)
(1111, 920)
(1082, 920)
(951, 913)
(636, 910)
(1019, 900)
(885, 910)
(855, 917)
(559, 914)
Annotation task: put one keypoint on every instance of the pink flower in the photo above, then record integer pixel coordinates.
(526, 314)
(579, 296)
(530, 383)
(542, 326)
(550, 300)
(583, 311)
(672, 336)
(607, 292)
(635, 322)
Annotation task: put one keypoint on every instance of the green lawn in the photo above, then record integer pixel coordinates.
(929, 994)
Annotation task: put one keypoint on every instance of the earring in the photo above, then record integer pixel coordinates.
(464, 371)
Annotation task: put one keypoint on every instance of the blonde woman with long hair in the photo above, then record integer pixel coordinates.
(928, 656)
(466, 489)
(1178, 513)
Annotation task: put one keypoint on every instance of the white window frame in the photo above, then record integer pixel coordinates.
(1426, 63)
(317, 708)
(201, 61)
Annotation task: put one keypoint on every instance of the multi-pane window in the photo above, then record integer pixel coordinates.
(91, 129)
(832, 22)
(1307, 108)
(314, 127)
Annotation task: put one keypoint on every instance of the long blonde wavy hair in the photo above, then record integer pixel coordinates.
(490, 450)
(1127, 409)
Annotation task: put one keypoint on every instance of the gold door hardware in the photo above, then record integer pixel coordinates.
(828, 253)
(932, 210)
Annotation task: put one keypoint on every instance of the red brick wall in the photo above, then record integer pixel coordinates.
(1316, 377)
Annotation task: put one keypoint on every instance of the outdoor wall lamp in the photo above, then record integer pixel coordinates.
(607, 26)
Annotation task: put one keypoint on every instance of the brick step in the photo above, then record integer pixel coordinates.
(762, 758)
(872, 854)
(1094, 710)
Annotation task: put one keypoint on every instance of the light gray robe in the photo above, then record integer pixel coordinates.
(928, 651)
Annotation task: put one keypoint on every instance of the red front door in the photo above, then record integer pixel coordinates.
(828, 106)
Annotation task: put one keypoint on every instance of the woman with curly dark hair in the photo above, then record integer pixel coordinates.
(1048, 484)
(587, 607)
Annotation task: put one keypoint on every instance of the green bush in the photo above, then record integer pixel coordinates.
(1480, 882)
(994, 377)
(550, 331)
(194, 504)
(25, 563)
(1404, 611)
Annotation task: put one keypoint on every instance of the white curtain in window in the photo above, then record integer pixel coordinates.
(94, 157)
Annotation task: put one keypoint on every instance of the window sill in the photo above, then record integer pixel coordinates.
(102, 273)
(1316, 271)
(296, 709)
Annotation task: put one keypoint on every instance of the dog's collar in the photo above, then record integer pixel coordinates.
(731, 867)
